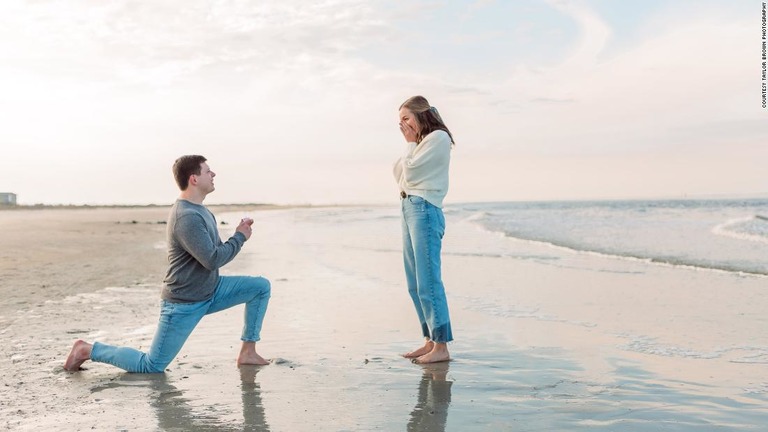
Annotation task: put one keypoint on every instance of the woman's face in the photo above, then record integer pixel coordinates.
(407, 118)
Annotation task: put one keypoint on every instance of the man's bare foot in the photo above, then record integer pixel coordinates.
(248, 355)
(438, 354)
(81, 351)
(425, 349)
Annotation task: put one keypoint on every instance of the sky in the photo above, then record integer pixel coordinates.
(295, 101)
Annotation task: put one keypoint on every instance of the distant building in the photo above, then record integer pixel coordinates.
(7, 198)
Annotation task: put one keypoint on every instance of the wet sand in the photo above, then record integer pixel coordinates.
(545, 340)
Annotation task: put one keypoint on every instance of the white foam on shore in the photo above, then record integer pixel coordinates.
(105, 296)
(724, 230)
(758, 356)
(648, 345)
(510, 311)
(735, 354)
(761, 388)
(627, 258)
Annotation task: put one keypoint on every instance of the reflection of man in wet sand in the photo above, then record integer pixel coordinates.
(192, 286)
(254, 418)
(174, 411)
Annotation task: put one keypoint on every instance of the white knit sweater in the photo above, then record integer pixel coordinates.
(423, 171)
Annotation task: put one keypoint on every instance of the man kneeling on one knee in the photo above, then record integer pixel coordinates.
(192, 287)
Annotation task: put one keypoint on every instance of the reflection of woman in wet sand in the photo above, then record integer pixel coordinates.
(431, 410)
(422, 175)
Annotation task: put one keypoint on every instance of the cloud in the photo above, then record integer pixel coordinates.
(160, 42)
(685, 75)
(593, 36)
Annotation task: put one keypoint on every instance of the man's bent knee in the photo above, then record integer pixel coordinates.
(263, 285)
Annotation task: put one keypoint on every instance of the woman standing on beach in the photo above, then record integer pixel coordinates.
(422, 175)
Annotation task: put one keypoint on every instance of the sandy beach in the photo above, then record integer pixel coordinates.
(546, 339)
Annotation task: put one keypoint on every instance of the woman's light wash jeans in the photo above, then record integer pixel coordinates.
(423, 229)
(177, 320)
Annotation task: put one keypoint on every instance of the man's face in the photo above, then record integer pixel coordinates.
(205, 179)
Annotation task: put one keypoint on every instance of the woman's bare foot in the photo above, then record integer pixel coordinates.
(81, 351)
(438, 354)
(425, 349)
(248, 355)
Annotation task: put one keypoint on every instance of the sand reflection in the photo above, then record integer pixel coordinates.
(253, 408)
(177, 411)
(431, 410)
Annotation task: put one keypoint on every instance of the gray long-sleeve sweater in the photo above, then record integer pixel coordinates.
(195, 253)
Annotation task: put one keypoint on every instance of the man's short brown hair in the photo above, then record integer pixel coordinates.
(184, 167)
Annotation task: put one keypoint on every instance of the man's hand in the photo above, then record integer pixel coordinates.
(245, 227)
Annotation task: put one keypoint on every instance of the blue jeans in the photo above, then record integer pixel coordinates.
(177, 320)
(423, 229)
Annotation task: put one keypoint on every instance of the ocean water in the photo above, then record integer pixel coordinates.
(722, 235)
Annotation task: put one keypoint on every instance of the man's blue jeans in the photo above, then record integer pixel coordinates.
(177, 320)
(423, 229)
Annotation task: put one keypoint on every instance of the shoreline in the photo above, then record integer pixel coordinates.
(224, 207)
(724, 198)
